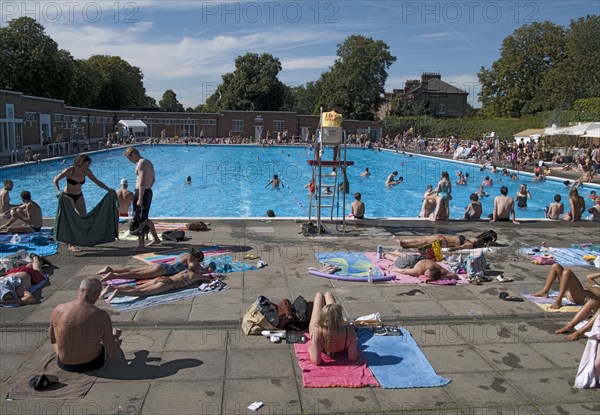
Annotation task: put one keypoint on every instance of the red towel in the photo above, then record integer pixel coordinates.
(333, 373)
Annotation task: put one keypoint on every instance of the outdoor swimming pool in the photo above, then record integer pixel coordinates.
(228, 181)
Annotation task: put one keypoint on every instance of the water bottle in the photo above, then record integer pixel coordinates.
(379, 252)
(371, 273)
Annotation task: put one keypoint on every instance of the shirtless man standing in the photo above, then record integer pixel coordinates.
(5, 205)
(504, 207)
(29, 212)
(82, 334)
(125, 198)
(142, 199)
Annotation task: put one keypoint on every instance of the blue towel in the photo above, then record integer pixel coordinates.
(130, 303)
(397, 361)
(43, 250)
(352, 264)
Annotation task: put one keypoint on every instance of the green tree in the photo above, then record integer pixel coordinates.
(357, 79)
(514, 85)
(169, 102)
(578, 75)
(253, 86)
(31, 61)
(120, 84)
(408, 107)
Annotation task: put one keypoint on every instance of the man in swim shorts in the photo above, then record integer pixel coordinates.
(82, 334)
(142, 198)
(504, 207)
(29, 212)
(125, 197)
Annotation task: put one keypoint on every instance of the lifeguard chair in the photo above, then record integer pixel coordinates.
(330, 133)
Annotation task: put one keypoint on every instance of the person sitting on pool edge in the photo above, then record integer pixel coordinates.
(329, 333)
(358, 207)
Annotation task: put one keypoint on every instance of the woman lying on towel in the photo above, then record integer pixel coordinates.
(454, 242)
(155, 270)
(193, 275)
(329, 332)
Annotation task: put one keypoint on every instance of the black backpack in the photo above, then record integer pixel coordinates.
(301, 310)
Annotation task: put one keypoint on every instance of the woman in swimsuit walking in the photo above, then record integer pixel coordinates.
(75, 176)
(328, 331)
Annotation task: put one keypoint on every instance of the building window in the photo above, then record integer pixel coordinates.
(206, 121)
(278, 125)
(31, 116)
(237, 126)
(442, 109)
(58, 117)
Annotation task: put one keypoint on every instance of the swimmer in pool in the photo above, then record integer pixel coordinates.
(275, 182)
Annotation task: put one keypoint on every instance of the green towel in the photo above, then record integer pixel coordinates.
(97, 227)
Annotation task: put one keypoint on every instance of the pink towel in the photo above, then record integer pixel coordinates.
(333, 373)
(385, 265)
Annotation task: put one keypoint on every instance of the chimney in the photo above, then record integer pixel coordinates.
(426, 76)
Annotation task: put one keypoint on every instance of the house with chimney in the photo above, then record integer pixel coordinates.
(437, 97)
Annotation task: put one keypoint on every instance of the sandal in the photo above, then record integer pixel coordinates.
(507, 297)
(502, 278)
(474, 280)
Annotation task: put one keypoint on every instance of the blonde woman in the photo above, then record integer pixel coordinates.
(329, 333)
(522, 196)
(577, 204)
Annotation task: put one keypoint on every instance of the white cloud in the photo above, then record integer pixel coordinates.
(308, 62)
(436, 35)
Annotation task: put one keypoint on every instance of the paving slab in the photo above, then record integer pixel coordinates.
(190, 356)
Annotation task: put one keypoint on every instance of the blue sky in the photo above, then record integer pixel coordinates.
(187, 45)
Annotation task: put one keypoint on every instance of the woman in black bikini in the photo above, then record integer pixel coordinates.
(75, 176)
(328, 331)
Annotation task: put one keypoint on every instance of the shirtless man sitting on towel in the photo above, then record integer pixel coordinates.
(82, 334)
(429, 268)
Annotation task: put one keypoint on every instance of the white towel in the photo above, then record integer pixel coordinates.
(589, 367)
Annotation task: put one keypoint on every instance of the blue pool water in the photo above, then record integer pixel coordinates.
(228, 181)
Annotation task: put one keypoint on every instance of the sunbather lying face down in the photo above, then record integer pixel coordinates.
(328, 331)
(193, 275)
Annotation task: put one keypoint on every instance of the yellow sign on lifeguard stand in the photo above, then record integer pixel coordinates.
(331, 128)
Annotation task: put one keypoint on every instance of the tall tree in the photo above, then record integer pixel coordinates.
(253, 86)
(120, 84)
(513, 86)
(578, 75)
(357, 79)
(169, 102)
(31, 61)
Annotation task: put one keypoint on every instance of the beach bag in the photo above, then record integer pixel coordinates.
(433, 251)
(197, 226)
(174, 236)
(475, 265)
(284, 312)
(309, 229)
(137, 227)
(260, 316)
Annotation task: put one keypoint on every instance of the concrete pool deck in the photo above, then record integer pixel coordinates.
(192, 358)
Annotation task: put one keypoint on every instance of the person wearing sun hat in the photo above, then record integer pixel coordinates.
(125, 198)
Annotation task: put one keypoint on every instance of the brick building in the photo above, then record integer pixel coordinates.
(27, 121)
(441, 98)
